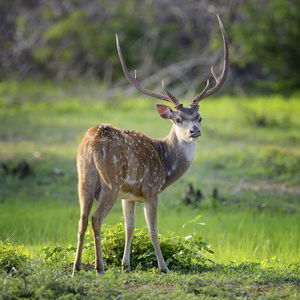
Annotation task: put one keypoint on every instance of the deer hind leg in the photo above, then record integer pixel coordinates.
(106, 200)
(129, 218)
(86, 199)
(150, 209)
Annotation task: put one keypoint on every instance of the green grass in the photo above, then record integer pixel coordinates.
(232, 282)
(233, 236)
(249, 151)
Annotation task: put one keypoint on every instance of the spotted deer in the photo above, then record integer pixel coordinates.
(114, 163)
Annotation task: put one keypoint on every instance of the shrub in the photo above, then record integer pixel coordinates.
(53, 255)
(11, 257)
(180, 253)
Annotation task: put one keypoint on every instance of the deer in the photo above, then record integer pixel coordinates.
(120, 164)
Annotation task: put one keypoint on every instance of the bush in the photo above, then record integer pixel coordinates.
(11, 257)
(180, 253)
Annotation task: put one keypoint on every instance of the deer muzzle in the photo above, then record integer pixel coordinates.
(194, 132)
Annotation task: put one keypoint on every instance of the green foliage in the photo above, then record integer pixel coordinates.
(231, 281)
(54, 255)
(78, 42)
(78, 37)
(269, 39)
(75, 39)
(180, 253)
(12, 257)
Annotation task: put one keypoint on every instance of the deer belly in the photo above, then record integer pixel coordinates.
(130, 196)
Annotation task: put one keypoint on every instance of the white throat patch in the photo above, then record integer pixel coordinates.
(189, 150)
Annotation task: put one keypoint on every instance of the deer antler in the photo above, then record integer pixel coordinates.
(134, 81)
(219, 80)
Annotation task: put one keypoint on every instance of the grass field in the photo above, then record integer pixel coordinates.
(248, 152)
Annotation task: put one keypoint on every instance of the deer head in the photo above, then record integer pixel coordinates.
(186, 120)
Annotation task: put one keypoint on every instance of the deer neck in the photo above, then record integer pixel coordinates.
(176, 156)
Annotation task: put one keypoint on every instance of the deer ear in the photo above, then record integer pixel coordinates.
(164, 111)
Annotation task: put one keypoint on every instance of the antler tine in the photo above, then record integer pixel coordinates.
(134, 81)
(171, 96)
(219, 80)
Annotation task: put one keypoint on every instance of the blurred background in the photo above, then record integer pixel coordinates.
(173, 40)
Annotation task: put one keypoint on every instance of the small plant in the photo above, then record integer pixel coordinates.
(11, 257)
(196, 245)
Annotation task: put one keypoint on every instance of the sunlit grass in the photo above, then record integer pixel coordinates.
(234, 236)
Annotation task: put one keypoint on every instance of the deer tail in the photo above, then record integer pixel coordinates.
(99, 160)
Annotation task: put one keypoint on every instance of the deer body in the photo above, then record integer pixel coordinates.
(124, 159)
(114, 163)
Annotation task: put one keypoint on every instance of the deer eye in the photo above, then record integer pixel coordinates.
(178, 121)
(200, 119)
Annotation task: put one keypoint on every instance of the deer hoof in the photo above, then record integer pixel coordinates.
(100, 271)
(165, 270)
(126, 268)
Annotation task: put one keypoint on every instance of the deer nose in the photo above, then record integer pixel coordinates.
(195, 132)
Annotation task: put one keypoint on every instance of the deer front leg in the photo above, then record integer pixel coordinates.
(150, 209)
(106, 201)
(129, 218)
